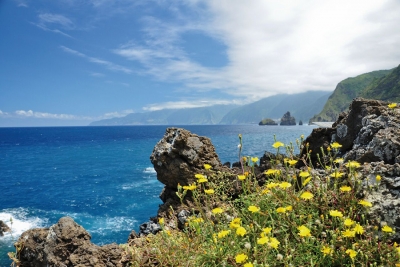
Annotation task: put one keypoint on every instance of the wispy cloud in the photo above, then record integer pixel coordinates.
(51, 22)
(188, 104)
(109, 65)
(292, 46)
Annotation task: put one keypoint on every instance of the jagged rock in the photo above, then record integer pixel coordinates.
(369, 133)
(287, 119)
(4, 228)
(65, 244)
(267, 122)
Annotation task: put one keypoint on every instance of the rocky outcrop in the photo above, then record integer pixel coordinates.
(369, 133)
(65, 244)
(287, 119)
(4, 228)
(267, 122)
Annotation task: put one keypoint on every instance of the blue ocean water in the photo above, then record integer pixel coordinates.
(102, 177)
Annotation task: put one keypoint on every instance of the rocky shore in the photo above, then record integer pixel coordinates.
(369, 134)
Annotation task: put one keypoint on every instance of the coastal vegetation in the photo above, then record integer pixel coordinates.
(294, 218)
(267, 121)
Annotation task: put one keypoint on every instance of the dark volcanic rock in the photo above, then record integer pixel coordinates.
(65, 244)
(4, 228)
(287, 119)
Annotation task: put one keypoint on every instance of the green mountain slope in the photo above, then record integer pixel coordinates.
(345, 92)
(386, 88)
(301, 106)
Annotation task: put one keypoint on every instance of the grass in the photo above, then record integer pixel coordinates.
(296, 218)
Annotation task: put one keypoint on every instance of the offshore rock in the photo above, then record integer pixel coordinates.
(4, 228)
(287, 119)
(65, 244)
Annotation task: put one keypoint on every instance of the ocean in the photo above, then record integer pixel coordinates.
(102, 177)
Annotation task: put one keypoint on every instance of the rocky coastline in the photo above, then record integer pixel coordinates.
(369, 133)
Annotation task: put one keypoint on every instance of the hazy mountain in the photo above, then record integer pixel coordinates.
(301, 106)
(369, 85)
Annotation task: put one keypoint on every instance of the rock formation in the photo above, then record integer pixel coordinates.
(369, 133)
(4, 228)
(65, 244)
(267, 122)
(287, 119)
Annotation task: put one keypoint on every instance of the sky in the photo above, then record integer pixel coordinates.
(71, 62)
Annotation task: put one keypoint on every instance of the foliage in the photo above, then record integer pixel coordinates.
(296, 218)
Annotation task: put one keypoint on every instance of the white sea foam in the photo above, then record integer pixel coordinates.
(21, 222)
(150, 170)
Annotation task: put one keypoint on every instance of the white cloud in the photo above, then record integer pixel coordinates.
(287, 46)
(48, 22)
(109, 65)
(45, 115)
(188, 104)
(116, 114)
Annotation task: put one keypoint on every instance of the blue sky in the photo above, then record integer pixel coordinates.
(70, 62)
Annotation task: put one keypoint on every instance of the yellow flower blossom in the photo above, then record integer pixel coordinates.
(241, 231)
(199, 176)
(345, 188)
(161, 221)
(304, 174)
(289, 208)
(348, 222)
(262, 240)
(285, 185)
(254, 159)
(326, 250)
(240, 258)
(272, 172)
(223, 233)
(217, 210)
(387, 229)
(338, 160)
(304, 231)
(278, 144)
(209, 191)
(352, 253)
(307, 195)
(253, 208)
(291, 162)
(336, 174)
(207, 166)
(235, 223)
(248, 264)
(349, 233)
(335, 213)
(267, 230)
(241, 177)
(272, 185)
(365, 203)
(265, 191)
(189, 187)
(352, 164)
(378, 178)
(273, 242)
(336, 145)
(358, 229)
(392, 105)
(202, 180)
(281, 210)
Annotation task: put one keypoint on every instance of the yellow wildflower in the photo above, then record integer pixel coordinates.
(272, 185)
(278, 144)
(358, 229)
(387, 229)
(223, 233)
(207, 166)
(272, 172)
(267, 230)
(249, 264)
(378, 178)
(392, 105)
(241, 258)
(161, 221)
(241, 231)
(326, 250)
(365, 203)
(335, 213)
(253, 208)
(351, 253)
(345, 188)
(217, 210)
(307, 195)
(263, 240)
(291, 162)
(338, 160)
(254, 159)
(241, 177)
(202, 180)
(304, 231)
(265, 191)
(348, 222)
(273, 242)
(281, 210)
(304, 174)
(306, 181)
(209, 191)
(189, 187)
(199, 176)
(336, 145)
(285, 185)
(336, 174)
(235, 223)
(352, 164)
(289, 208)
(349, 233)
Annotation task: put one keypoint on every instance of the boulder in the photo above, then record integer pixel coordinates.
(4, 228)
(287, 119)
(65, 244)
